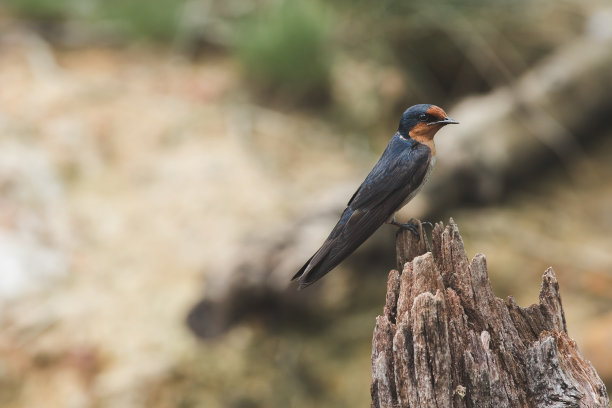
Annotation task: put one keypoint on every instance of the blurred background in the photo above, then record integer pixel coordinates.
(166, 167)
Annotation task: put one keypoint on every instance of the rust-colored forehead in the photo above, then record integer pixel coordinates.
(436, 112)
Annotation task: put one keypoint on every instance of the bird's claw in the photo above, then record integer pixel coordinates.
(409, 226)
(412, 226)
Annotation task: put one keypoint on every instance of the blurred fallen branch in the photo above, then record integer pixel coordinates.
(515, 131)
(445, 339)
(258, 281)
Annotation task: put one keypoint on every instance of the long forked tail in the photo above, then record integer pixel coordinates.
(310, 273)
(353, 228)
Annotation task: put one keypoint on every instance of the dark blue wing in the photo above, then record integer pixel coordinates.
(400, 171)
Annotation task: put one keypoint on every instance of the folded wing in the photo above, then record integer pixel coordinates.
(400, 171)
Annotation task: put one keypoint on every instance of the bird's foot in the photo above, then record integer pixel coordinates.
(410, 226)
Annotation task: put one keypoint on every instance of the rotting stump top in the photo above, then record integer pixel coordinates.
(445, 340)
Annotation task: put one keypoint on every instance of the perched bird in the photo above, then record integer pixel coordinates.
(398, 176)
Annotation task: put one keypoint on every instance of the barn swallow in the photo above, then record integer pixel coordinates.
(396, 178)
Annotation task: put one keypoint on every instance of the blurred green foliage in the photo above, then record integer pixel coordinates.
(443, 49)
(450, 48)
(141, 18)
(282, 46)
(128, 19)
(41, 9)
(285, 50)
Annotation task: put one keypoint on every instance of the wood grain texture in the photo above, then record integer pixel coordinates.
(445, 340)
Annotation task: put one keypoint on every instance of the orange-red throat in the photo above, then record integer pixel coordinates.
(424, 132)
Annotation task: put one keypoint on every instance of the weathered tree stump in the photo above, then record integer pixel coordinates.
(445, 340)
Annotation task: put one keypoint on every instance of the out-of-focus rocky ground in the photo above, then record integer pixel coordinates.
(130, 177)
(127, 177)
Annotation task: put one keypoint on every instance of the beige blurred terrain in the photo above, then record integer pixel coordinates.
(128, 172)
(129, 176)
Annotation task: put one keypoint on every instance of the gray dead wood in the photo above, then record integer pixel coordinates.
(445, 340)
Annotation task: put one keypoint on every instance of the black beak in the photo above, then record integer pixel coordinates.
(445, 121)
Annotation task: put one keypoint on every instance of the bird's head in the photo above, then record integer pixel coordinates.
(421, 122)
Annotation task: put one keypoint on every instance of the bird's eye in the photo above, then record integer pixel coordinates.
(423, 117)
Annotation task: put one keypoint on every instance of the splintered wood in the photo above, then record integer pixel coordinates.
(445, 340)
